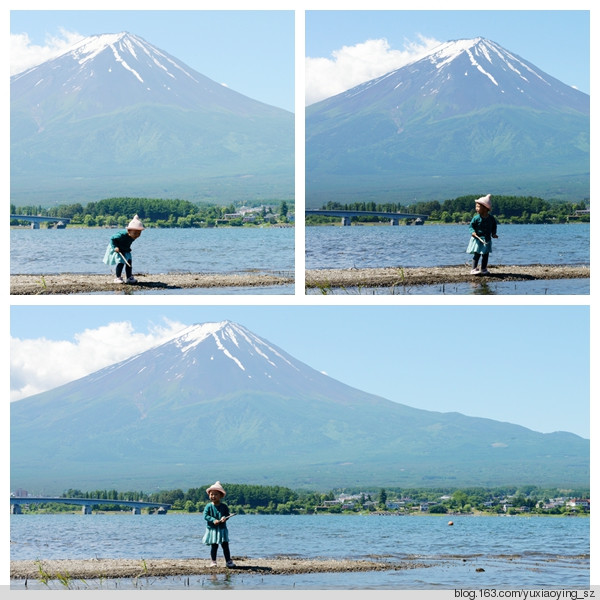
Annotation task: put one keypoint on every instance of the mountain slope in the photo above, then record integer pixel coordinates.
(116, 115)
(219, 401)
(469, 114)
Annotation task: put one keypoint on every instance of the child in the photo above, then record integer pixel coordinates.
(483, 229)
(118, 251)
(216, 514)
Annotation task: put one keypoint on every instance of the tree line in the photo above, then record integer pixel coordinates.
(259, 499)
(507, 209)
(154, 212)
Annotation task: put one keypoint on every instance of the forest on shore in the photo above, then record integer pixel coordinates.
(154, 212)
(259, 499)
(506, 209)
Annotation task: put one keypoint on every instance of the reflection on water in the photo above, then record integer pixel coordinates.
(482, 288)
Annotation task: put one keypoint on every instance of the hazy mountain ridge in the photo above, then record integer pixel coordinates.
(468, 112)
(115, 113)
(219, 399)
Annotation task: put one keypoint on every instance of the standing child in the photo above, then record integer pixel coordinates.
(216, 514)
(118, 251)
(483, 229)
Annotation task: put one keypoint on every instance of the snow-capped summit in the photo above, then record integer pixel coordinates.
(130, 52)
(210, 359)
(471, 74)
(113, 70)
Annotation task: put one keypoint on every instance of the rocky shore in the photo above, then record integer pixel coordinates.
(398, 277)
(131, 568)
(67, 283)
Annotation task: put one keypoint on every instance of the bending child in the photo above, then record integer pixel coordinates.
(118, 251)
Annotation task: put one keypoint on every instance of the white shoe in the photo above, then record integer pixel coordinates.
(475, 272)
(118, 280)
(213, 564)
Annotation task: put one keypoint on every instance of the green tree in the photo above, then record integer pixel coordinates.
(459, 498)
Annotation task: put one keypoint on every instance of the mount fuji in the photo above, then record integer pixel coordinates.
(116, 116)
(470, 115)
(219, 401)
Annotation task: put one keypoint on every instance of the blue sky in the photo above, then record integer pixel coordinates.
(556, 41)
(250, 51)
(522, 364)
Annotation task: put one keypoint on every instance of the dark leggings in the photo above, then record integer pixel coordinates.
(128, 269)
(484, 260)
(215, 547)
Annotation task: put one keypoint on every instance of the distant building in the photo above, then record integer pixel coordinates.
(579, 502)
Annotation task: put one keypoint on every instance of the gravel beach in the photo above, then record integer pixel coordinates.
(130, 568)
(67, 283)
(397, 276)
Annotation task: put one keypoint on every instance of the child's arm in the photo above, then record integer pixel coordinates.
(114, 242)
(209, 517)
(473, 230)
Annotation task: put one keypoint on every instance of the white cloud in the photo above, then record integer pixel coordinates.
(38, 365)
(353, 65)
(24, 54)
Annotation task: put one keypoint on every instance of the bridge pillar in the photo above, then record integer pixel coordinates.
(136, 511)
(15, 509)
(346, 221)
(86, 510)
(394, 222)
(35, 225)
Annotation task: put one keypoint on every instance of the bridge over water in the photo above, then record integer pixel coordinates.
(86, 503)
(346, 215)
(35, 220)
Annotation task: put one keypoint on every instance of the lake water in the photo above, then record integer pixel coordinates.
(330, 247)
(439, 245)
(515, 552)
(218, 250)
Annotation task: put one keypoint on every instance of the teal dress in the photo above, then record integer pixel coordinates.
(485, 229)
(215, 534)
(122, 241)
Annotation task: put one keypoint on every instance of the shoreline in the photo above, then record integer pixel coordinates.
(119, 568)
(401, 277)
(74, 283)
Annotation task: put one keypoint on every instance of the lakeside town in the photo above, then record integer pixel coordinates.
(457, 503)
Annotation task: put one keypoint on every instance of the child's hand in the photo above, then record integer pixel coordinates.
(115, 250)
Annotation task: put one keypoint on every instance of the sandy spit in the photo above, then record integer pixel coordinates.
(397, 276)
(67, 283)
(131, 568)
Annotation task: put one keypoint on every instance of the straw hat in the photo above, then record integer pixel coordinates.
(486, 201)
(135, 223)
(217, 487)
